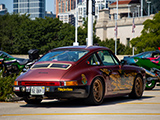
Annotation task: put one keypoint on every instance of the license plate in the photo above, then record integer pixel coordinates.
(37, 90)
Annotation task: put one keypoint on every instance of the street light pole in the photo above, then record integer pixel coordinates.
(116, 29)
(76, 19)
(90, 24)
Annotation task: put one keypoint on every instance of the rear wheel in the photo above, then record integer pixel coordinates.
(35, 100)
(137, 90)
(150, 85)
(96, 92)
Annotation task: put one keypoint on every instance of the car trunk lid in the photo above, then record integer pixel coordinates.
(46, 71)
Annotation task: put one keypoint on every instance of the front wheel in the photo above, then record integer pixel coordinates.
(29, 100)
(150, 85)
(96, 92)
(137, 90)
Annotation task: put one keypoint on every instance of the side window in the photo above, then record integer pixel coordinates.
(93, 60)
(107, 58)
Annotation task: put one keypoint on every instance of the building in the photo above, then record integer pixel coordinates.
(151, 6)
(36, 8)
(126, 8)
(3, 10)
(67, 18)
(99, 4)
(102, 4)
(50, 14)
(129, 25)
(63, 6)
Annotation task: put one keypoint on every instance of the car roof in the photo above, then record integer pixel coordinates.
(89, 48)
(143, 53)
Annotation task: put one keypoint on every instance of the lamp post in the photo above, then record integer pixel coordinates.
(76, 38)
(116, 29)
(90, 24)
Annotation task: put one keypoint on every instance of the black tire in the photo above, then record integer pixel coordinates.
(150, 85)
(96, 95)
(137, 90)
(28, 100)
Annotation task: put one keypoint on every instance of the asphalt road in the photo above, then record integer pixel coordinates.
(121, 108)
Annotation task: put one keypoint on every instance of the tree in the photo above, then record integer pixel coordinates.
(8, 27)
(121, 49)
(150, 35)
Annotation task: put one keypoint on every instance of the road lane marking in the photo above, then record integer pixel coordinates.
(36, 114)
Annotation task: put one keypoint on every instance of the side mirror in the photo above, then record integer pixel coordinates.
(123, 62)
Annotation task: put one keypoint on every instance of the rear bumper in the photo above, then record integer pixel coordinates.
(55, 92)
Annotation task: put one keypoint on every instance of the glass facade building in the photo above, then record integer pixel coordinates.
(36, 8)
(3, 10)
(63, 6)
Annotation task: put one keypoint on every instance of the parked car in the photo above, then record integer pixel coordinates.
(92, 73)
(149, 54)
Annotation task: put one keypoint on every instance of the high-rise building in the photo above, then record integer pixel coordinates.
(67, 18)
(3, 10)
(99, 5)
(64, 6)
(36, 8)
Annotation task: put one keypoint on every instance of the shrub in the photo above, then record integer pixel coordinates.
(6, 83)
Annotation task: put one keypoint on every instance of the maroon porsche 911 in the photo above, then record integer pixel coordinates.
(92, 73)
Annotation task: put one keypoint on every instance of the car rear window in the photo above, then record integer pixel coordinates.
(64, 55)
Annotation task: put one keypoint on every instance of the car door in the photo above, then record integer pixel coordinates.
(113, 72)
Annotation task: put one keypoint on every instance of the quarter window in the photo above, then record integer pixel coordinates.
(93, 60)
(107, 58)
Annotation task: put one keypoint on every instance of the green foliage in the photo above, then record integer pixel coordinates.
(121, 49)
(6, 84)
(18, 34)
(150, 38)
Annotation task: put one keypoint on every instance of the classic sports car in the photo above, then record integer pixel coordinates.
(92, 73)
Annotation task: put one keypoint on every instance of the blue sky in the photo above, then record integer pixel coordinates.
(9, 5)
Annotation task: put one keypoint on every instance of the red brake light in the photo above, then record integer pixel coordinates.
(35, 83)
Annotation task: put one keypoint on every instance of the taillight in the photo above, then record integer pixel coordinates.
(70, 83)
(15, 82)
(37, 83)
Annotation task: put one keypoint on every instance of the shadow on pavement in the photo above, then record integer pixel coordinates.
(79, 102)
